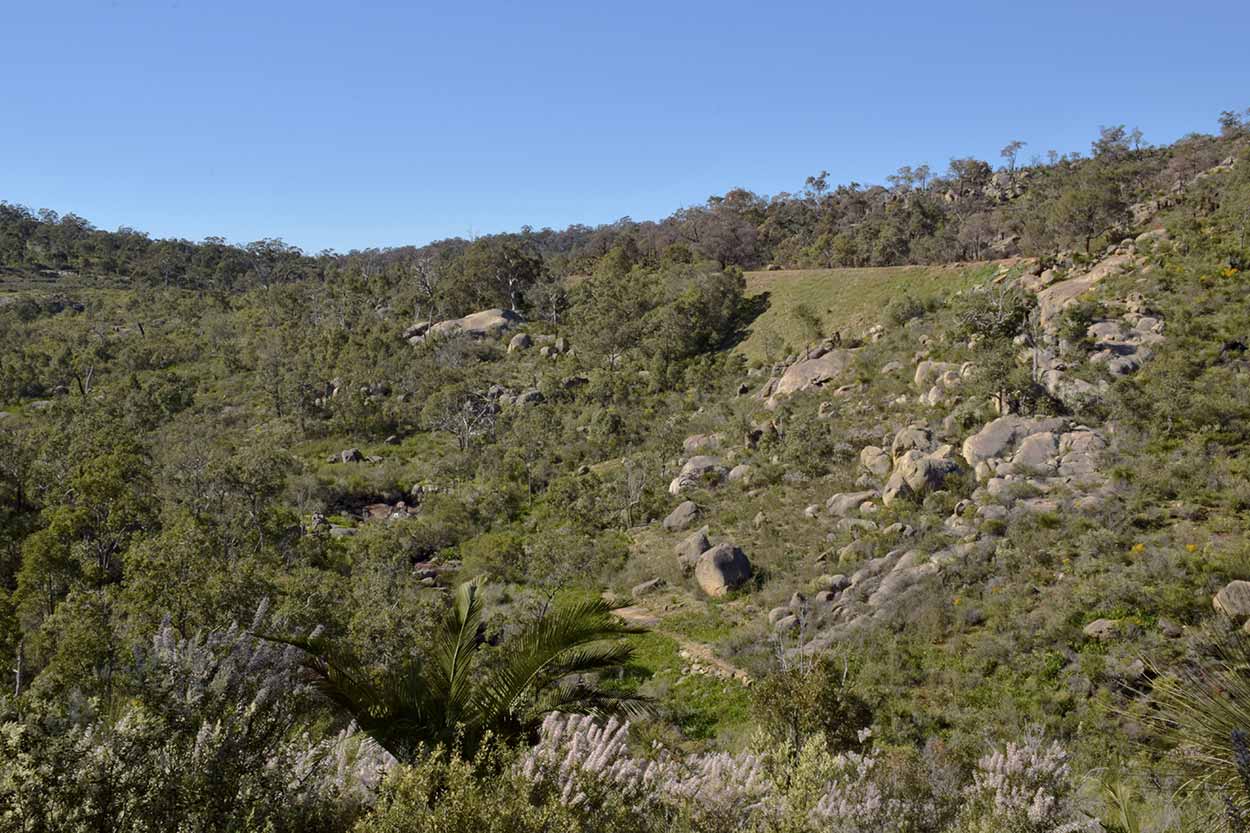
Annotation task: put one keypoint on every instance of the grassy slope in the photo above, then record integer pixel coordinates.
(847, 300)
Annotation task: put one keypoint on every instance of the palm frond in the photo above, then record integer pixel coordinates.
(454, 647)
(393, 708)
(572, 695)
(572, 639)
(453, 700)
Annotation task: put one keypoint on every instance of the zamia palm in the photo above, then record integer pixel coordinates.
(459, 693)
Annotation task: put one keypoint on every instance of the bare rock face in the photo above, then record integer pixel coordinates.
(1053, 300)
(646, 588)
(844, 504)
(721, 569)
(811, 373)
(520, 341)
(702, 442)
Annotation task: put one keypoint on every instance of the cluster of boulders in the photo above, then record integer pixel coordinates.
(1036, 465)
(701, 469)
(915, 465)
(705, 466)
(804, 609)
(1121, 344)
(353, 455)
(717, 568)
(549, 346)
(489, 324)
(878, 588)
(938, 381)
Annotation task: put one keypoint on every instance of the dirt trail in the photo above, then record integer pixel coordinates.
(692, 651)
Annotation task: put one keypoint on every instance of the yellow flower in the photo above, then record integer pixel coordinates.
(1229, 272)
(1191, 547)
(956, 601)
(1138, 549)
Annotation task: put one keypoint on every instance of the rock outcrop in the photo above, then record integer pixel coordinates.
(917, 474)
(809, 373)
(490, 323)
(697, 470)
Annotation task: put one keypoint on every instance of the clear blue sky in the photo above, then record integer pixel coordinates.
(350, 124)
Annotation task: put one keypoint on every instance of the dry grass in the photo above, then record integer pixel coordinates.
(846, 300)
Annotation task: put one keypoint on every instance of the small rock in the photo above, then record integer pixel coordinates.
(843, 504)
(647, 587)
(1102, 629)
(1170, 629)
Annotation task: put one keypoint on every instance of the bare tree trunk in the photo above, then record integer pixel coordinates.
(18, 669)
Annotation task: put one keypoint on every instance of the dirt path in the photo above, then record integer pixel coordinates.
(696, 653)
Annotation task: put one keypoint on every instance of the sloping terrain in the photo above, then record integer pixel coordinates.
(917, 511)
(844, 300)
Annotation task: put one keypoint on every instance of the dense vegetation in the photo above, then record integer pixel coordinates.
(238, 487)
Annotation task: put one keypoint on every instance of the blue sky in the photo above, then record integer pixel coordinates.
(352, 124)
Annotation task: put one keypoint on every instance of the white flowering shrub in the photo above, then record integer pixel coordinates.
(1025, 787)
(582, 759)
(783, 790)
(213, 740)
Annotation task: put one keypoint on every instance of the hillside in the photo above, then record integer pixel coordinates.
(843, 300)
(948, 547)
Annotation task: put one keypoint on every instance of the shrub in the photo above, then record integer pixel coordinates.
(904, 308)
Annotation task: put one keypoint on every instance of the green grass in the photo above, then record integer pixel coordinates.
(846, 300)
(702, 706)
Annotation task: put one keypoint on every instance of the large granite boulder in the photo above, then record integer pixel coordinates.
(689, 550)
(681, 517)
(842, 505)
(911, 438)
(876, 460)
(1234, 600)
(721, 569)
